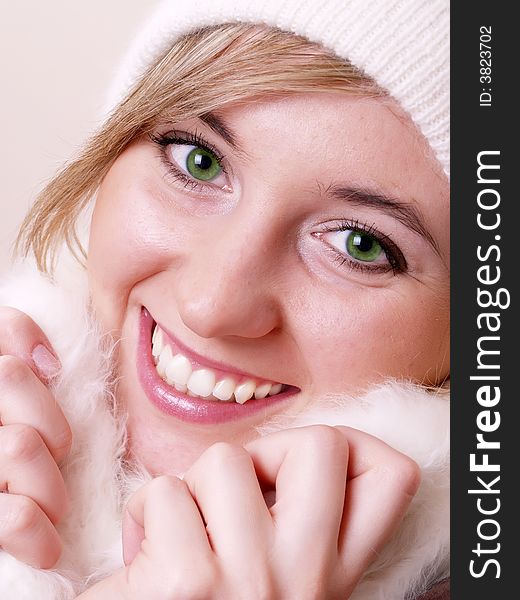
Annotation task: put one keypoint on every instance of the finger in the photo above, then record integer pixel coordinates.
(164, 512)
(133, 536)
(28, 469)
(25, 399)
(225, 486)
(26, 532)
(21, 336)
(381, 485)
(308, 468)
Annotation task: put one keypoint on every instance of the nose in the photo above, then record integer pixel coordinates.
(226, 284)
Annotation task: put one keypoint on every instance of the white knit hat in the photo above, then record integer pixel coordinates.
(402, 44)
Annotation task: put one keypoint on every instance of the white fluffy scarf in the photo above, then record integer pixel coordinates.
(405, 416)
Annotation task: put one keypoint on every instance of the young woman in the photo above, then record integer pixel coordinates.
(247, 327)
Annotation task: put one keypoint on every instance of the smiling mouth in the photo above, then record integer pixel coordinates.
(196, 378)
(195, 389)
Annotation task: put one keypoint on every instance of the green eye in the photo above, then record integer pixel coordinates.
(364, 247)
(202, 164)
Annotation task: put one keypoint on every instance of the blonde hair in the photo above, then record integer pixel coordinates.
(201, 72)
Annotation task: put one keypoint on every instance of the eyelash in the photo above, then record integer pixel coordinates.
(187, 138)
(396, 259)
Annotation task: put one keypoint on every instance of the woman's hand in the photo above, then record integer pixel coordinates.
(34, 438)
(340, 494)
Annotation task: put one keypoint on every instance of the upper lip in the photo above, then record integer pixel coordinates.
(207, 362)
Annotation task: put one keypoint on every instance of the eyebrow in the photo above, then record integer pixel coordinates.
(214, 122)
(404, 212)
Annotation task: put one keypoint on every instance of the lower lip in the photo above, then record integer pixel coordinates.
(188, 408)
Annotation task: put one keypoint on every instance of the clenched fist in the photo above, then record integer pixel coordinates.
(34, 438)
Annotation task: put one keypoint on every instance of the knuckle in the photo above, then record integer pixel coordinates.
(324, 438)
(223, 452)
(405, 474)
(22, 443)
(23, 518)
(13, 321)
(62, 443)
(10, 315)
(13, 370)
(51, 556)
(410, 476)
(166, 484)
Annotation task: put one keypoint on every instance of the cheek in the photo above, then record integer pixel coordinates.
(359, 341)
(127, 244)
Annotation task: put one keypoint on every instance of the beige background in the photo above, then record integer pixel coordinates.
(56, 58)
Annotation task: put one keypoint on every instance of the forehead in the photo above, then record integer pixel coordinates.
(338, 138)
(361, 128)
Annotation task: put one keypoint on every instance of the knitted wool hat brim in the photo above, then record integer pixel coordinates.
(402, 44)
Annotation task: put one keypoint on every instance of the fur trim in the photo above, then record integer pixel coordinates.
(416, 557)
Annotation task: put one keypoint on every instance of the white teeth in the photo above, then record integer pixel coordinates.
(224, 389)
(202, 382)
(164, 360)
(157, 342)
(262, 390)
(179, 372)
(276, 388)
(244, 391)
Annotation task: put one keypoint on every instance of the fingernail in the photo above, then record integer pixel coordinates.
(45, 361)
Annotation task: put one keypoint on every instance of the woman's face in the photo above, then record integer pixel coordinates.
(301, 242)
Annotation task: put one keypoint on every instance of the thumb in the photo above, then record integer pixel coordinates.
(20, 336)
(46, 362)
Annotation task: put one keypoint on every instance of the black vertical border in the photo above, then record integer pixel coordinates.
(476, 129)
